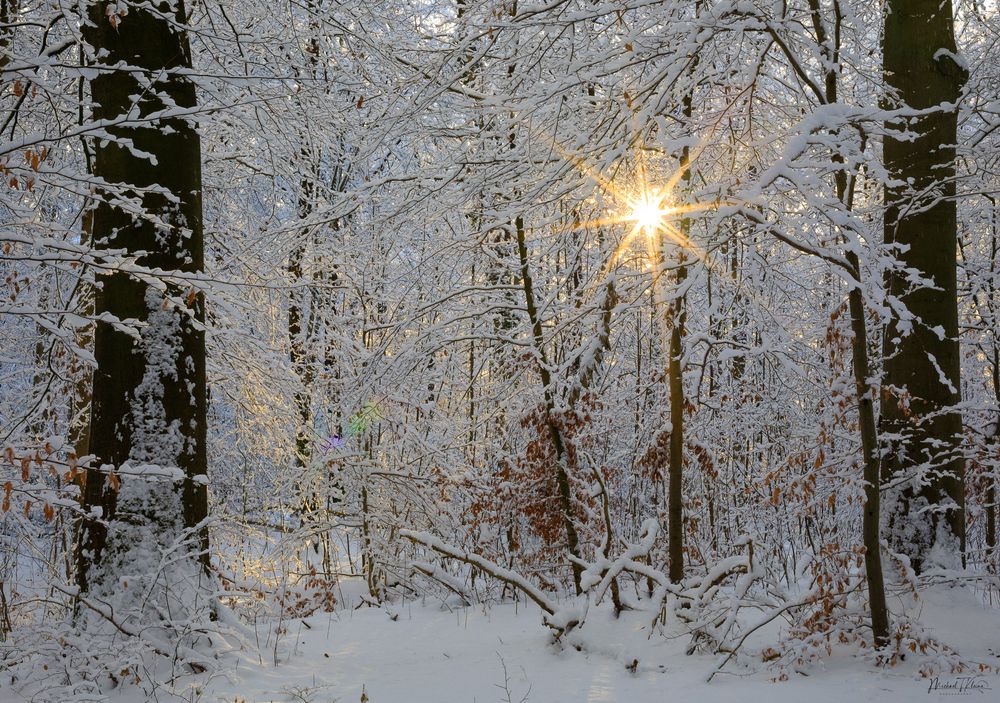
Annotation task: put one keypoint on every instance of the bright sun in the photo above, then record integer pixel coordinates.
(648, 211)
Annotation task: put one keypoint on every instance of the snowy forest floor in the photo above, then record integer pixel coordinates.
(429, 653)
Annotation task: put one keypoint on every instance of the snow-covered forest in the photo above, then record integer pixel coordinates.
(499, 350)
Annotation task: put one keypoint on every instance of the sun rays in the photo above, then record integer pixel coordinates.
(651, 212)
(643, 202)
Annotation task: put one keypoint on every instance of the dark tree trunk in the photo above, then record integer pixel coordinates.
(675, 468)
(869, 448)
(299, 356)
(149, 396)
(991, 506)
(675, 379)
(301, 304)
(923, 465)
(551, 420)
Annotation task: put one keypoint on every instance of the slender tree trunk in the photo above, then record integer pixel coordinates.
(149, 395)
(869, 448)
(991, 510)
(991, 306)
(301, 305)
(675, 374)
(675, 469)
(298, 355)
(921, 422)
(555, 433)
(871, 518)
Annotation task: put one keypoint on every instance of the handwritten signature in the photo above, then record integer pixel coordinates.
(959, 686)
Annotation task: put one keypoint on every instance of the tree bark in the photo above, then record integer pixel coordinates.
(921, 422)
(149, 395)
(869, 449)
(675, 468)
(675, 379)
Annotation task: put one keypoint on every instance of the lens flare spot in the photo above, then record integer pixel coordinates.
(649, 211)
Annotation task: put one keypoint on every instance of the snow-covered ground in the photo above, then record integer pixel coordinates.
(429, 652)
(426, 653)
